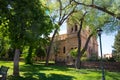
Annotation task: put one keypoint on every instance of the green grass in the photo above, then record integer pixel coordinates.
(52, 72)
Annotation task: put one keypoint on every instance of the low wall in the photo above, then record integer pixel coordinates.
(111, 66)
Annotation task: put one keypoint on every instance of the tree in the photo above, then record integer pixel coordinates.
(59, 11)
(108, 6)
(111, 7)
(56, 47)
(90, 6)
(116, 53)
(93, 20)
(41, 50)
(27, 22)
(81, 52)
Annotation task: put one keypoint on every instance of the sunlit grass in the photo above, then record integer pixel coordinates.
(53, 72)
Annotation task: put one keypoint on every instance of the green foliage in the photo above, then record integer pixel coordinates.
(73, 53)
(116, 53)
(26, 21)
(10, 53)
(40, 52)
(28, 59)
(93, 57)
(102, 13)
(84, 57)
(111, 59)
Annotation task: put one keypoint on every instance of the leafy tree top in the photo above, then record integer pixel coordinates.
(27, 21)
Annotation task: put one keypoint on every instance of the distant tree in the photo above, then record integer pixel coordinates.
(116, 52)
(40, 52)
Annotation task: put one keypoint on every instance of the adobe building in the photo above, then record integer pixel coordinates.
(64, 43)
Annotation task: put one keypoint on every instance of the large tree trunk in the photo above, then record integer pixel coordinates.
(78, 61)
(16, 62)
(50, 46)
(81, 52)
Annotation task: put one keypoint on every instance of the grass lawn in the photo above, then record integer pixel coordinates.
(52, 72)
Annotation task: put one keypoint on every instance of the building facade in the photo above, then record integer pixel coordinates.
(108, 56)
(64, 43)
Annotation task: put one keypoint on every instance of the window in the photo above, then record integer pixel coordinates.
(75, 47)
(72, 29)
(64, 49)
(75, 27)
(71, 48)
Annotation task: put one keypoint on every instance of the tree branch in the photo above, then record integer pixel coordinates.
(60, 8)
(64, 18)
(99, 8)
(92, 2)
(86, 44)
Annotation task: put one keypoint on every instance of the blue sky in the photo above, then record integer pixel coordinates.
(107, 40)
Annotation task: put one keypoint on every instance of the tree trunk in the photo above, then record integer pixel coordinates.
(60, 22)
(50, 46)
(16, 62)
(29, 56)
(55, 58)
(78, 61)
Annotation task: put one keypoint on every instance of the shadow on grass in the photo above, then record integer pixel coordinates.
(38, 67)
(42, 76)
(33, 72)
(41, 72)
(59, 77)
(113, 76)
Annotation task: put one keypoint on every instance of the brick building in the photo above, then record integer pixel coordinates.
(66, 42)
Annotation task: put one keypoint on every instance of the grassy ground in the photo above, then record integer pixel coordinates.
(52, 72)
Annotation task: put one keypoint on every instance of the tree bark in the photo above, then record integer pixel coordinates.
(86, 44)
(50, 46)
(77, 61)
(16, 63)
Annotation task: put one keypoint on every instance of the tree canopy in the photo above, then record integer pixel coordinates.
(25, 23)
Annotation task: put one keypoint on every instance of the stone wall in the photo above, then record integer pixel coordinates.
(111, 66)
